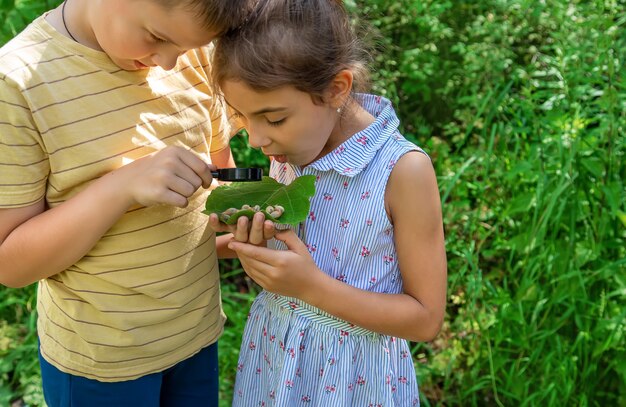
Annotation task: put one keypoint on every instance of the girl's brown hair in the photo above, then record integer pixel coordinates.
(300, 43)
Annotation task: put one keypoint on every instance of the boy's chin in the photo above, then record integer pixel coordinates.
(130, 65)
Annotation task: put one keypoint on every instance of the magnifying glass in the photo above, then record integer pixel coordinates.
(238, 174)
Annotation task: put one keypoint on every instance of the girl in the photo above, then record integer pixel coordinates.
(109, 132)
(367, 270)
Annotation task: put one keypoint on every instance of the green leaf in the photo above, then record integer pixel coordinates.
(295, 198)
(622, 216)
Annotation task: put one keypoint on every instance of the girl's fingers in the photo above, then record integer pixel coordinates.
(216, 225)
(293, 242)
(252, 252)
(269, 230)
(261, 272)
(256, 234)
(241, 233)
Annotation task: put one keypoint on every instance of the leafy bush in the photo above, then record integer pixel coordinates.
(16, 14)
(19, 366)
(522, 105)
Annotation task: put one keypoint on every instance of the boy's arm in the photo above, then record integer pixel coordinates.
(224, 159)
(36, 243)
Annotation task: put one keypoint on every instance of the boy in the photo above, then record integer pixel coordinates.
(108, 129)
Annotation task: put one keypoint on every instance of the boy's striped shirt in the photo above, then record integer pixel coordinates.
(147, 295)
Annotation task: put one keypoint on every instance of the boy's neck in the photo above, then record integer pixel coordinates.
(71, 19)
(67, 29)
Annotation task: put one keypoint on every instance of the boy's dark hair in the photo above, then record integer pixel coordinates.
(300, 43)
(218, 16)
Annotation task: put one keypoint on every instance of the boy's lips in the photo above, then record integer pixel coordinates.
(141, 65)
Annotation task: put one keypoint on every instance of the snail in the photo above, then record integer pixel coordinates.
(275, 211)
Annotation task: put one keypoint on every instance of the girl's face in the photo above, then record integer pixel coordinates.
(285, 123)
(137, 34)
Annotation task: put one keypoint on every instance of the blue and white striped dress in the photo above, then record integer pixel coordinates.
(293, 354)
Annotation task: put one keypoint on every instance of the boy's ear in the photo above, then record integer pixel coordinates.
(340, 88)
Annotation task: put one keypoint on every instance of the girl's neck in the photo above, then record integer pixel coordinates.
(354, 119)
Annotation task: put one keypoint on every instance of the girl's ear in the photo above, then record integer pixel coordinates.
(340, 89)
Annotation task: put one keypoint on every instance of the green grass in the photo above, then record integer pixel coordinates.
(522, 106)
(237, 294)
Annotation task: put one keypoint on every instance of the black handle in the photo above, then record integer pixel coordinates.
(238, 174)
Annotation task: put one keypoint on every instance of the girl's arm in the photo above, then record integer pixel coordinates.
(413, 204)
(414, 207)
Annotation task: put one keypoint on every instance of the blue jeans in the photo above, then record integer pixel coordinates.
(192, 382)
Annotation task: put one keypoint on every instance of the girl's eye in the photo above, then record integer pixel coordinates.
(275, 123)
(157, 39)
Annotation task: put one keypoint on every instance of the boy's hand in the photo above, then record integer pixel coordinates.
(169, 176)
(256, 232)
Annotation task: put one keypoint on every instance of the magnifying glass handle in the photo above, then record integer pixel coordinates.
(238, 174)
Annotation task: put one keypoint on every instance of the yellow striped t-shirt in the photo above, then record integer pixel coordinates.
(147, 295)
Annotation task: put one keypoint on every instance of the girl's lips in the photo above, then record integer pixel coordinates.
(280, 158)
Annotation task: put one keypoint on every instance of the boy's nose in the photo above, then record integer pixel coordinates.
(166, 61)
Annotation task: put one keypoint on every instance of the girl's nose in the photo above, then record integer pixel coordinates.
(256, 138)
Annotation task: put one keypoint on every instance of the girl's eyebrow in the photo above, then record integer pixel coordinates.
(258, 112)
(269, 110)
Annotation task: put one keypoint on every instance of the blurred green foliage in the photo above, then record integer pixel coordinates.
(522, 106)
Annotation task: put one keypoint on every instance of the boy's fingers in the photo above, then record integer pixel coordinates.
(182, 186)
(198, 165)
(173, 198)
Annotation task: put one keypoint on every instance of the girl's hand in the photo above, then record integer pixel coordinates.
(289, 272)
(169, 176)
(256, 232)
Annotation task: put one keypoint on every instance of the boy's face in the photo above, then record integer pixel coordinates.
(137, 34)
(285, 123)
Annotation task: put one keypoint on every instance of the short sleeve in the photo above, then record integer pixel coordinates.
(225, 125)
(24, 165)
